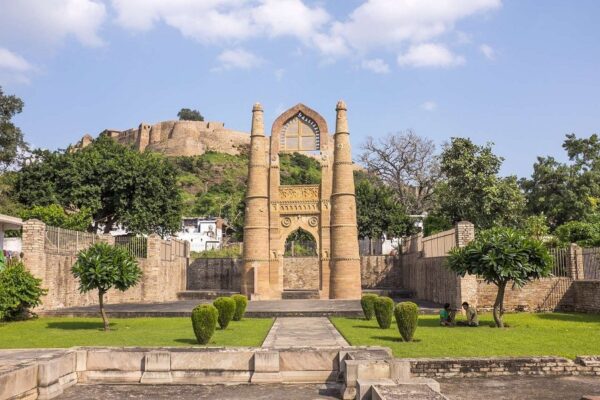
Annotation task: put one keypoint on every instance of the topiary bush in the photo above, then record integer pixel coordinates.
(407, 318)
(226, 307)
(367, 303)
(204, 322)
(19, 290)
(384, 308)
(241, 302)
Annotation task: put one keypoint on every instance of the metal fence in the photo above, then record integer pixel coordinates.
(169, 249)
(560, 266)
(136, 245)
(370, 247)
(591, 263)
(66, 241)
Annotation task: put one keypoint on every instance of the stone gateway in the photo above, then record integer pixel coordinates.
(327, 211)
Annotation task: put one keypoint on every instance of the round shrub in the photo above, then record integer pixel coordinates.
(204, 322)
(19, 290)
(407, 317)
(226, 308)
(384, 308)
(241, 302)
(367, 303)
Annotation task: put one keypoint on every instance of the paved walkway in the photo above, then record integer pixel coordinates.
(303, 332)
(9, 358)
(266, 308)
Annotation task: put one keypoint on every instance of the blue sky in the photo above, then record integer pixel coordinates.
(521, 74)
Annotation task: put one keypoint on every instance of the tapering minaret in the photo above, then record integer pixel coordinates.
(345, 260)
(255, 273)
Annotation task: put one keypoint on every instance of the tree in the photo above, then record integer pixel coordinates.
(102, 267)
(55, 215)
(500, 256)
(186, 114)
(407, 163)
(472, 189)
(378, 212)
(117, 184)
(536, 226)
(12, 143)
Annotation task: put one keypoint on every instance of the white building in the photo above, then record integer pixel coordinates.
(202, 233)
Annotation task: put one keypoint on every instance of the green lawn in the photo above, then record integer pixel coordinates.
(528, 334)
(67, 332)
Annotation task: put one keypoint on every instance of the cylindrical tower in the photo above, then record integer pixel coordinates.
(345, 259)
(255, 273)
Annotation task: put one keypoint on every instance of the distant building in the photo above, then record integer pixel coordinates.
(202, 233)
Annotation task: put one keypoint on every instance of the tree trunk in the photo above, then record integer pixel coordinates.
(102, 312)
(499, 305)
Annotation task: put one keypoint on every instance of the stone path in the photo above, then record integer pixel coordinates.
(9, 358)
(303, 332)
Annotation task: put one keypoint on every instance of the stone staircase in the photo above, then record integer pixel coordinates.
(300, 295)
(208, 294)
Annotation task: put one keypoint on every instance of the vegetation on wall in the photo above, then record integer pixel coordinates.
(186, 114)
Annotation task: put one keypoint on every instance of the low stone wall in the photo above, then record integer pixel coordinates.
(301, 273)
(482, 367)
(586, 295)
(377, 272)
(163, 272)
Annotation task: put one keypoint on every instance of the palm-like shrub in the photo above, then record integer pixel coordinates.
(384, 309)
(407, 317)
(241, 302)
(204, 322)
(19, 290)
(103, 267)
(367, 302)
(226, 308)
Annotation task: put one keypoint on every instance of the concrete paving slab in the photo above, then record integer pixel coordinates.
(303, 332)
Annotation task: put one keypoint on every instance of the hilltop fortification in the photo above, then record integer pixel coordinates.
(178, 138)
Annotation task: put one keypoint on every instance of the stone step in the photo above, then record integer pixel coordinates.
(390, 292)
(208, 294)
(300, 294)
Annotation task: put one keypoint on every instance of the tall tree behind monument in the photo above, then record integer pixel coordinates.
(12, 143)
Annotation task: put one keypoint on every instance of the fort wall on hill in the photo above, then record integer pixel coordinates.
(178, 138)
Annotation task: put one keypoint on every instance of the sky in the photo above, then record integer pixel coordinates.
(518, 73)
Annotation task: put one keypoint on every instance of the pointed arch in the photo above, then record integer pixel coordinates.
(300, 128)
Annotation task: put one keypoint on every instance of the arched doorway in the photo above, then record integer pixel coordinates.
(300, 262)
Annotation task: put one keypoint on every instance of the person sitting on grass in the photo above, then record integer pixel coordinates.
(446, 316)
(472, 318)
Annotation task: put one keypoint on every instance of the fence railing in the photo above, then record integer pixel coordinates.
(136, 245)
(170, 249)
(591, 263)
(66, 241)
(370, 247)
(560, 267)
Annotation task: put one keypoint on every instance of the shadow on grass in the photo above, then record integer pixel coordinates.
(395, 339)
(77, 325)
(571, 317)
(187, 341)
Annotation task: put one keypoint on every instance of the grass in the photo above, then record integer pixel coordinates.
(67, 332)
(557, 334)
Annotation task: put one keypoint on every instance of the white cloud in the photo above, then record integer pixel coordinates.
(488, 51)
(429, 105)
(376, 65)
(279, 74)
(52, 21)
(289, 17)
(429, 55)
(13, 67)
(239, 58)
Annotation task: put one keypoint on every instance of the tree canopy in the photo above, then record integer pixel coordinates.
(472, 189)
(12, 143)
(186, 114)
(116, 184)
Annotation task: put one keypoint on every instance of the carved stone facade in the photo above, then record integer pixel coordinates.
(274, 211)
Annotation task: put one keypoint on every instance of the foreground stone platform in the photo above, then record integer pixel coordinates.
(256, 309)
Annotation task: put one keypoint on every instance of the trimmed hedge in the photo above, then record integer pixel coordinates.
(241, 302)
(204, 322)
(367, 302)
(226, 307)
(407, 318)
(384, 309)
(19, 290)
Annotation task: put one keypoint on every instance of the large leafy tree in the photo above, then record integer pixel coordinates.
(116, 184)
(12, 143)
(378, 211)
(186, 114)
(501, 256)
(566, 191)
(473, 190)
(102, 267)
